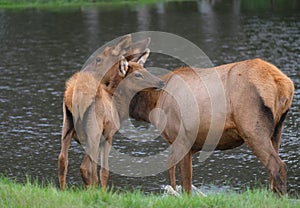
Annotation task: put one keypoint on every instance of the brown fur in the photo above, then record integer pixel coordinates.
(92, 107)
(258, 96)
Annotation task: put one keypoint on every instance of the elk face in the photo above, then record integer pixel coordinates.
(136, 77)
(107, 60)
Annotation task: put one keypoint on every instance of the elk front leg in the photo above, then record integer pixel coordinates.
(183, 156)
(185, 168)
(172, 177)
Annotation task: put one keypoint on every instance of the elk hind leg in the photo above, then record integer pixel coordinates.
(257, 126)
(104, 169)
(88, 167)
(67, 134)
(88, 171)
(63, 161)
(276, 140)
(261, 145)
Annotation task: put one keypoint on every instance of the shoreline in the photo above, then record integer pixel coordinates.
(5, 4)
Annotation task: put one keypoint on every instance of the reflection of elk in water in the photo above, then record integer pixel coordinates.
(257, 99)
(92, 106)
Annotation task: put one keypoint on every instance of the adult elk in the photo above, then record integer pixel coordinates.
(257, 97)
(93, 105)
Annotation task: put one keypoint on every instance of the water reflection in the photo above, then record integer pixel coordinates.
(40, 49)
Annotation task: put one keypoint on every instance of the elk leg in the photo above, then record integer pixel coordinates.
(88, 167)
(256, 127)
(276, 140)
(88, 171)
(63, 161)
(104, 169)
(276, 137)
(67, 134)
(185, 168)
(183, 156)
(171, 165)
(172, 177)
(263, 148)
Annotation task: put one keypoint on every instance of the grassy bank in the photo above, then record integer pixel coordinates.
(68, 3)
(33, 195)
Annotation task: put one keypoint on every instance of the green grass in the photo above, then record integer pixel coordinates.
(31, 194)
(12, 4)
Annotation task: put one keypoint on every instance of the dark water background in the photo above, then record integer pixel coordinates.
(41, 48)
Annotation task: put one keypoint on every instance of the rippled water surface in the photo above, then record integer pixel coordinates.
(40, 49)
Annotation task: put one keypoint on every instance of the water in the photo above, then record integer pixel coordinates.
(40, 49)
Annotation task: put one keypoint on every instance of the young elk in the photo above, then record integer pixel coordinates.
(94, 105)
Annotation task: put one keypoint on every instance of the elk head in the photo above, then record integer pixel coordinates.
(135, 77)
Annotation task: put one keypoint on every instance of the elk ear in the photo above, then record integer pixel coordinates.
(136, 49)
(121, 47)
(141, 45)
(143, 58)
(123, 67)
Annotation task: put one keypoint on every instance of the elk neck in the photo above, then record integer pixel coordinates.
(121, 99)
(143, 103)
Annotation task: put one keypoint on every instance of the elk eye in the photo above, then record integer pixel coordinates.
(138, 75)
(98, 59)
